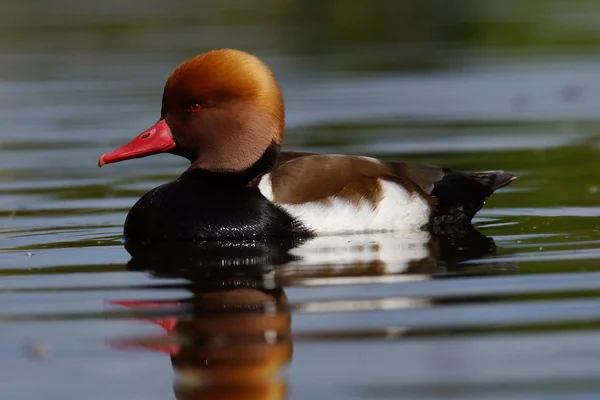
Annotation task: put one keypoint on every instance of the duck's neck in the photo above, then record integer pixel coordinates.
(242, 178)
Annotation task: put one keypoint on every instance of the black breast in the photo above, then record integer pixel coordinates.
(201, 206)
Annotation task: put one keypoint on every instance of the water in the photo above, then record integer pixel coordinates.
(510, 310)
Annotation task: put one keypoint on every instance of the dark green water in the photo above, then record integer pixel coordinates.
(511, 311)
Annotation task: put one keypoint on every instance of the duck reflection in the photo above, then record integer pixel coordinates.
(235, 335)
(230, 342)
(235, 344)
(232, 336)
(420, 252)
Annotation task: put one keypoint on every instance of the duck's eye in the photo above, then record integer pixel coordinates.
(194, 107)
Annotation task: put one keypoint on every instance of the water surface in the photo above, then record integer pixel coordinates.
(510, 310)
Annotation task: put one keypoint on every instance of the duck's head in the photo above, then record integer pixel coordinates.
(221, 110)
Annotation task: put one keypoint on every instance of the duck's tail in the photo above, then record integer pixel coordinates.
(459, 196)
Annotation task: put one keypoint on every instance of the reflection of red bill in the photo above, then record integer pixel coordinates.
(168, 324)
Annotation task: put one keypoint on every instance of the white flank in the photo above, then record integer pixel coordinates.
(265, 187)
(398, 210)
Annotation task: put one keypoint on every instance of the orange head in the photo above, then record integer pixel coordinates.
(221, 110)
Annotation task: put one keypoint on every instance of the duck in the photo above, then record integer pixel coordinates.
(223, 110)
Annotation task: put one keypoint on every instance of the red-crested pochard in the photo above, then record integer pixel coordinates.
(223, 110)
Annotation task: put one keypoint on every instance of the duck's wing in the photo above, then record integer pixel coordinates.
(422, 174)
(454, 196)
(336, 193)
(305, 177)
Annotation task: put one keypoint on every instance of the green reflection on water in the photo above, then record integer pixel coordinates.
(363, 35)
